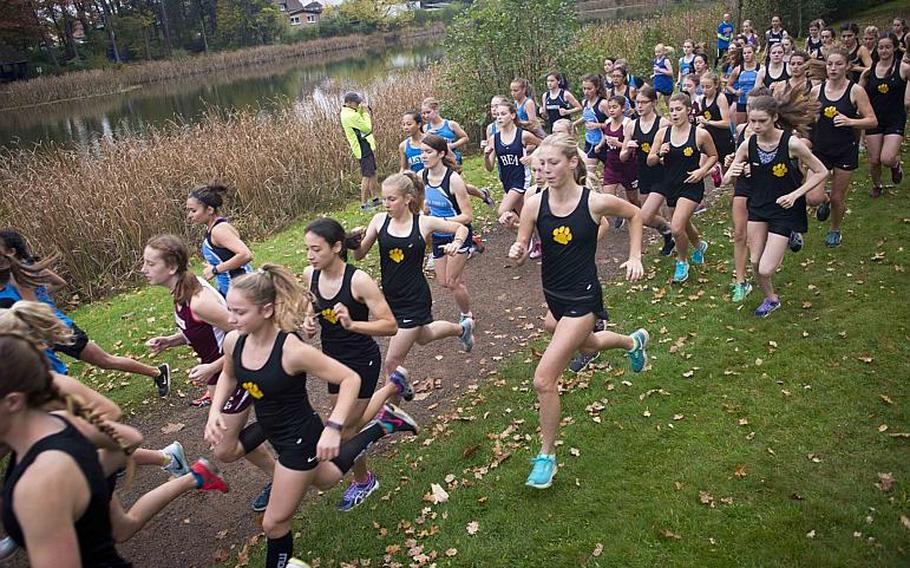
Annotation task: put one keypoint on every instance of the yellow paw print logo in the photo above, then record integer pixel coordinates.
(329, 315)
(562, 235)
(688, 151)
(253, 389)
(779, 170)
(883, 88)
(707, 115)
(396, 254)
(830, 111)
(645, 147)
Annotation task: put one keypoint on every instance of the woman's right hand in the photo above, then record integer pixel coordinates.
(156, 345)
(214, 428)
(309, 326)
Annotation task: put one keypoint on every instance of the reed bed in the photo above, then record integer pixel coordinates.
(98, 209)
(81, 84)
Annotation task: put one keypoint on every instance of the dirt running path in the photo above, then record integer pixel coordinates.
(202, 529)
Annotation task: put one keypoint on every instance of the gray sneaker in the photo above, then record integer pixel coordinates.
(580, 361)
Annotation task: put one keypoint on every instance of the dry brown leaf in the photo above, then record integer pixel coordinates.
(886, 399)
(811, 534)
(472, 528)
(668, 534)
(905, 521)
(740, 472)
(451, 552)
(172, 427)
(598, 550)
(436, 495)
(885, 481)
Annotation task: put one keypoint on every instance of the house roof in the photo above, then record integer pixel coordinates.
(296, 6)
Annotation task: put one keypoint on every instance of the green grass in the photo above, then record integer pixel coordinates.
(795, 404)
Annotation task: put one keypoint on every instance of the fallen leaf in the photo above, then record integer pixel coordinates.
(678, 417)
(814, 458)
(436, 495)
(172, 427)
(598, 550)
(740, 472)
(575, 452)
(811, 534)
(472, 528)
(706, 498)
(886, 399)
(885, 481)
(668, 534)
(905, 521)
(451, 552)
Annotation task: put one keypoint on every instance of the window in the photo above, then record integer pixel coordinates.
(295, 20)
(283, 7)
(311, 19)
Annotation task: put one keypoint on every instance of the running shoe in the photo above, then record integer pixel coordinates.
(897, 174)
(542, 471)
(375, 203)
(681, 274)
(669, 245)
(536, 249)
(876, 191)
(477, 244)
(581, 360)
(8, 547)
(618, 222)
(208, 478)
(202, 401)
(796, 241)
(163, 380)
(399, 378)
(488, 198)
(262, 500)
(823, 211)
(638, 357)
(178, 465)
(467, 335)
(431, 262)
(741, 290)
(766, 307)
(296, 563)
(700, 208)
(698, 255)
(357, 493)
(394, 419)
(833, 239)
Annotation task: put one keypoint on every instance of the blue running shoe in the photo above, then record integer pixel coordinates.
(823, 211)
(356, 493)
(394, 419)
(638, 357)
(399, 378)
(177, 466)
(796, 241)
(542, 471)
(833, 239)
(681, 274)
(262, 500)
(698, 255)
(766, 307)
(467, 334)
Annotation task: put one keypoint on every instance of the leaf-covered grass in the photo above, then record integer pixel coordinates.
(749, 442)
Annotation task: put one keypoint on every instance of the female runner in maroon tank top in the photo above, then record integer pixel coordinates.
(203, 320)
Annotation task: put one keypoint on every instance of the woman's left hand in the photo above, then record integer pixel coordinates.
(787, 201)
(209, 272)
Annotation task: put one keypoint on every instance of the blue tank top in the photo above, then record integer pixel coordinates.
(439, 198)
(412, 155)
(446, 132)
(520, 110)
(9, 295)
(746, 82)
(591, 113)
(215, 255)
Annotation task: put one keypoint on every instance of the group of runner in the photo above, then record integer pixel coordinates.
(775, 131)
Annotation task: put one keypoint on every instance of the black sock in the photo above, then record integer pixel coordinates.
(352, 449)
(252, 437)
(279, 551)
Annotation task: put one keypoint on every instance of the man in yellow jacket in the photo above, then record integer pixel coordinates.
(358, 129)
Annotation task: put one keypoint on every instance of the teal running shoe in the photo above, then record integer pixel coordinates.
(833, 239)
(638, 358)
(681, 274)
(542, 471)
(698, 255)
(741, 290)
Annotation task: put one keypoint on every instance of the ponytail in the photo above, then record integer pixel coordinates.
(26, 275)
(274, 284)
(174, 254)
(408, 183)
(332, 232)
(211, 195)
(37, 321)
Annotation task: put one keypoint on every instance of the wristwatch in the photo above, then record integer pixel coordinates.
(215, 270)
(334, 425)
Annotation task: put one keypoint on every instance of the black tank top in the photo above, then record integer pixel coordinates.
(93, 528)
(648, 176)
(680, 161)
(568, 271)
(712, 112)
(814, 48)
(887, 94)
(281, 401)
(768, 79)
(775, 178)
(854, 60)
(401, 264)
(336, 341)
(826, 137)
(553, 104)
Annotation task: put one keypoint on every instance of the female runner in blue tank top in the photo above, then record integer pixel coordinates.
(662, 71)
(265, 356)
(525, 107)
(679, 148)
(446, 197)
(403, 232)
(512, 144)
(409, 149)
(433, 123)
(742, 80)
(226, 255)
(777, 204)
(557, 102)
(593, 117)
(350, 311)
(567, 216)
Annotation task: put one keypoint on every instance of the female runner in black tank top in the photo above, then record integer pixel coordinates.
(777, 206)
(403, 234)
(639, 136)
(206, 321)
(776, 69)
(844, 111)
(557, 102)
(714, 115)
(886, 86)
(567, 217)
(269, 361)
(679, 148)
(342, 301)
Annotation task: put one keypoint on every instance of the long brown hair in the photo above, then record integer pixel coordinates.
(441, 145)
(274, 284)
(26, 275)
(794, 111)
(37, 321)
(174, 254)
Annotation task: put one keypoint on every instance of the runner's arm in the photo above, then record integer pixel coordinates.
(365, 290)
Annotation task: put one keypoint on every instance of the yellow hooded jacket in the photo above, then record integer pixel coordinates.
(358, 129)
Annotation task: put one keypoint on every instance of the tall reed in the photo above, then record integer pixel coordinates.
(98, 209)
(81, 84)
